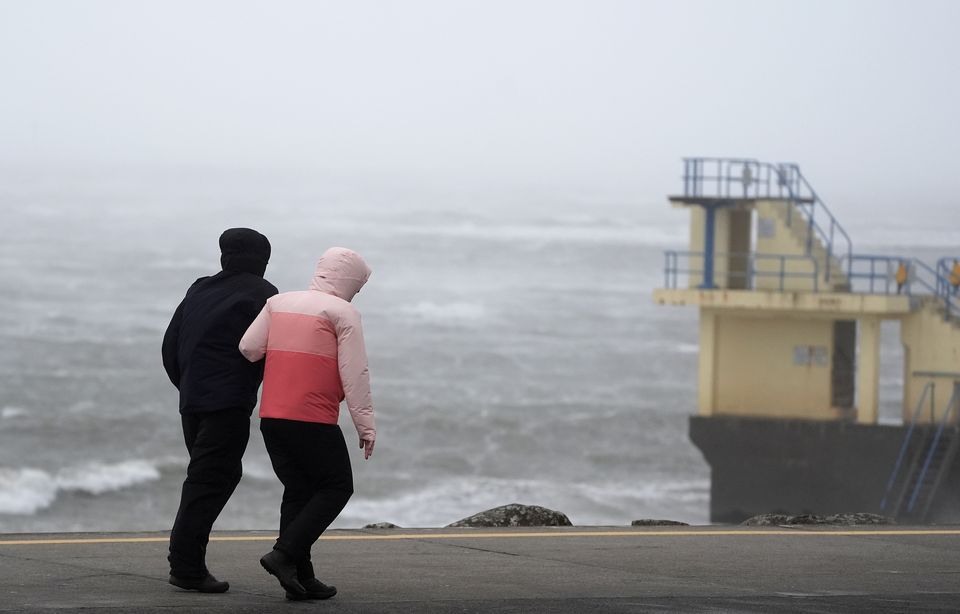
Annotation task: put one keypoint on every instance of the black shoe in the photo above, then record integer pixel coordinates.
(315, 590)
(208, 584)
(282, 566)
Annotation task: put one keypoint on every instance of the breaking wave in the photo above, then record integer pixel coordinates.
(605, 503)
(26, 490)
(12, 412)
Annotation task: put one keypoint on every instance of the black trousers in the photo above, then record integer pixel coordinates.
(216, 442)
(312, 462)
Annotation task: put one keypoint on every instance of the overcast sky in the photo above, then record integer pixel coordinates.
(585, 95)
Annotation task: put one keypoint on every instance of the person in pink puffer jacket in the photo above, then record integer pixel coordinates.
(313, 343)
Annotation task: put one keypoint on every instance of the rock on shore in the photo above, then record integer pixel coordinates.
(653, 522)
(515, 515)
(768, 520)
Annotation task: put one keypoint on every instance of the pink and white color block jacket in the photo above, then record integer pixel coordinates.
(313, 341)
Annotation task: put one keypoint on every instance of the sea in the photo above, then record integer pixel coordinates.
(516, 355)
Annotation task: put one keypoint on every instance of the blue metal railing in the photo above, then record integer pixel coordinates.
(947, 274)
(933, 448)
(749, 272)
(927, 390)
(749, 178)
(879, 273)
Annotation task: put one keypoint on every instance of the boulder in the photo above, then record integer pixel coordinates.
(381, 525)
(515, 515)
(653, 522)
(858, 518)
(771, 520)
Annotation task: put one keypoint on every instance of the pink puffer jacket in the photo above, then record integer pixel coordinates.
(313, 341)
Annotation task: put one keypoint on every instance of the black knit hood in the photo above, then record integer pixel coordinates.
(244, 250)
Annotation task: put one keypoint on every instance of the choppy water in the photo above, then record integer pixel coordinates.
(515, 352)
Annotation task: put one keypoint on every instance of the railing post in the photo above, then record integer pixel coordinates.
(933, 396)
(829, 252)
(711, 220)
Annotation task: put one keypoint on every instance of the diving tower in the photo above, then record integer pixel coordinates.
(789, 362)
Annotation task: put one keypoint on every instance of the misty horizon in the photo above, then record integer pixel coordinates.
(601, 99)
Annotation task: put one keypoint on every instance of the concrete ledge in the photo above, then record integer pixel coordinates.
(826, 304)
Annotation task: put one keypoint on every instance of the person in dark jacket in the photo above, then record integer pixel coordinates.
(218, 391)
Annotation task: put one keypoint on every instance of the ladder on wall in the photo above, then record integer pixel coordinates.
(931, 456)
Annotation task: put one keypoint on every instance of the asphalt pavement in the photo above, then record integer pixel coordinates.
(529, 570)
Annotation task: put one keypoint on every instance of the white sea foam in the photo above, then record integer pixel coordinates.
(671, 346)
(26, 490)
(258, 469)
(446, 501)
(448, 313)
(98, 478)
(12, 412)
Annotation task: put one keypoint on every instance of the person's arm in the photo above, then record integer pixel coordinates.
(253, 345)
(355, 377)
(170, 348)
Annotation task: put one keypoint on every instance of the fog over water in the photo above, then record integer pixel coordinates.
(504, 169)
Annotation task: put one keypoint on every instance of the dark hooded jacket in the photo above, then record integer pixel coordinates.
(200, 351)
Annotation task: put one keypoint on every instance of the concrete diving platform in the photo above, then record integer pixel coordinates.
(826, 304)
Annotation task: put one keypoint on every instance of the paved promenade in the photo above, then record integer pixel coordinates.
(696, 569)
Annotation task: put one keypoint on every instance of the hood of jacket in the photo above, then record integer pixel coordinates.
(340, 272)
(244, 250)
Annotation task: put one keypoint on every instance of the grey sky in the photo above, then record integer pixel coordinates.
(592, 95)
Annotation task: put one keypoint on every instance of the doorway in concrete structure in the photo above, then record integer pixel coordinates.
(844, 370)
(741, 244)
(892, 361)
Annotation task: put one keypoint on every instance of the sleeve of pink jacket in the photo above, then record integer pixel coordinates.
(354, 373)
(253, 344)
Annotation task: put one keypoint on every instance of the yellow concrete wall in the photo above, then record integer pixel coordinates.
(706, 391)
(697, 223)
(792, 239)
(749, 338)
(774, 237)
(752, 369)
(728, 237)
(933, 345)
(868, 369)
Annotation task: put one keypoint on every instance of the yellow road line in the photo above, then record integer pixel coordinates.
(502, 535)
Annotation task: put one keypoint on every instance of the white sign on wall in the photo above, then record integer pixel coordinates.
(810, 355)
(766, 228)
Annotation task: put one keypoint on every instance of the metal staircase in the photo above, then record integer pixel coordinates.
(817, 234)
(811, 221)
(911, 493)
(834, 276)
